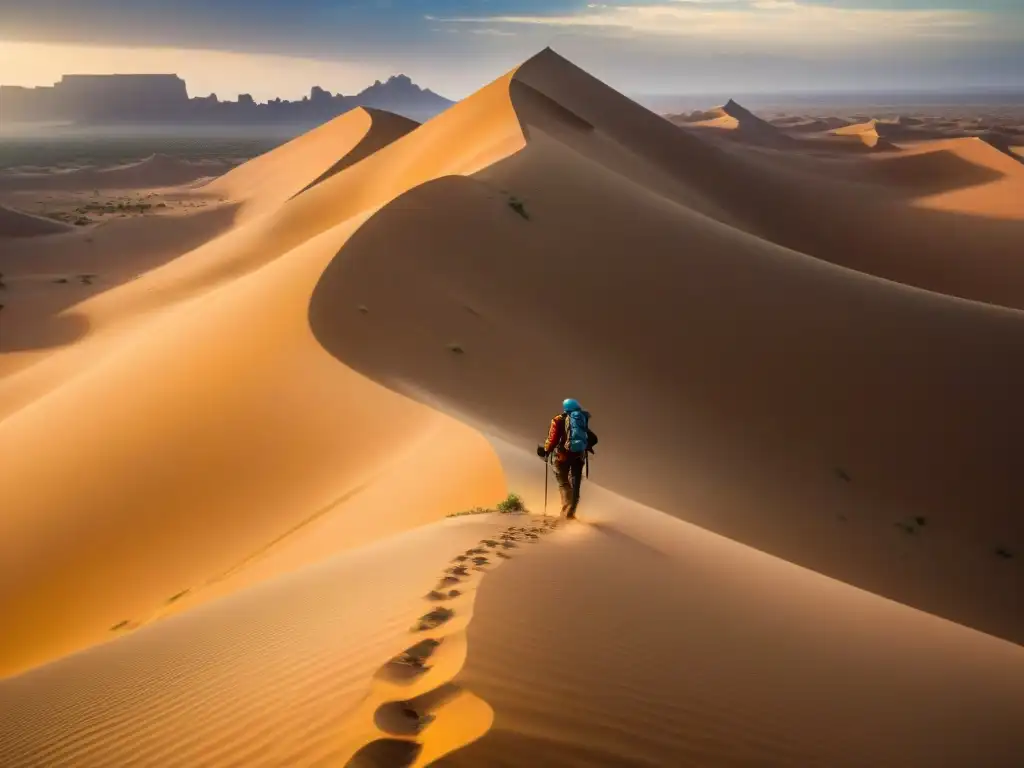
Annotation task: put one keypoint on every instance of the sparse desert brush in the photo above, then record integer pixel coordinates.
(473, 511)
(512, 503)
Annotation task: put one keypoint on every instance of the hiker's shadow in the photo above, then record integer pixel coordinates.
(615, 534)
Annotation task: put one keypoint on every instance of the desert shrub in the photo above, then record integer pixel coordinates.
(512, 503)
(473, 511)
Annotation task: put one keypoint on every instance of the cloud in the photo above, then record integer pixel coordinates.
(493, 32)
(769, 23)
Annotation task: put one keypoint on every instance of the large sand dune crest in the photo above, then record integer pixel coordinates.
(899, 444)
(265, 182)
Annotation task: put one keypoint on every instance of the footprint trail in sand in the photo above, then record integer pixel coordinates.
(418, 714)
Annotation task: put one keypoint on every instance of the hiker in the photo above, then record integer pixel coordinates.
(570, 440)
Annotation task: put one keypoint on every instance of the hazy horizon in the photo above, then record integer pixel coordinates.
(657, 47)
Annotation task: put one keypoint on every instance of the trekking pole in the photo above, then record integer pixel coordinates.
(546, 460)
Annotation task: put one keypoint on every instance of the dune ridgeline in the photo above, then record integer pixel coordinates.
(233, 439)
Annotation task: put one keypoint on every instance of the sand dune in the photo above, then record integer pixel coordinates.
(583, 665)
(803, 124)
(817, 358)
(249, 457)
(732, 117)
(154, 171)
(15, 223)
(888, 133)
(265, 182)
(867, 133)
(316, 637)
(802, 409)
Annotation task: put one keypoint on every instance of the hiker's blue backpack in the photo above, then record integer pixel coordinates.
(577, 438)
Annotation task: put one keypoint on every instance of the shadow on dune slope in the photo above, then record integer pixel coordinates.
(47, 278)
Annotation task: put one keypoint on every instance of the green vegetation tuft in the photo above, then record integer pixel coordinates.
(473, 511)
(512, 503)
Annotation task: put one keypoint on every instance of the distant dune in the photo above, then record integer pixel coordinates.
(154, 171)
(20, 224)
(733, 117)
(868, 133)
(265, 182)
(230, 462)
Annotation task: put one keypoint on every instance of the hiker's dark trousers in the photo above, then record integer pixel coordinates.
(569, 474)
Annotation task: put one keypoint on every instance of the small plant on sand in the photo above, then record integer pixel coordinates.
(473, 511)
(120, 625)
(178, 595)
(513, 503)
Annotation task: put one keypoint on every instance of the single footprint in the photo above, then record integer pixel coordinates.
(460, 558)
(459, 570)
(509, 545)
(450, 580)
(438, 594)
(434, 619)
(504, 556)
(416, 656)
(421, 721)
(489, 542)
(390, 752)
(480, 561)
(402, 718)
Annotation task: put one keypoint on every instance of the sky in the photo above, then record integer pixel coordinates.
(281, 48)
